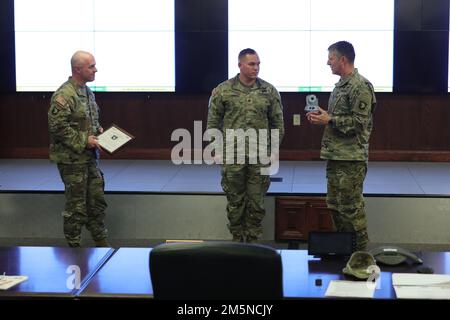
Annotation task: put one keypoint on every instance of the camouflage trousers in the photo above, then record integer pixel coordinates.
(85, 201)
(345, 198)
(245, 189)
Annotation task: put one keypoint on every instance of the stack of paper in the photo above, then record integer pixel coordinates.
(7, 282)
(421, 286)
(353, 289)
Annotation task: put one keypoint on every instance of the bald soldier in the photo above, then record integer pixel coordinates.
(73, 120)
(345, 143)
(245, 102)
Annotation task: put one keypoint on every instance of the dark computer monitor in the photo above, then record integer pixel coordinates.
(331, 243)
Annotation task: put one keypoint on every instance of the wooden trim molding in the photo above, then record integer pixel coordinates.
(287, 155)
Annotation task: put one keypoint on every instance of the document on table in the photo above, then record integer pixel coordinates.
(353, 289)
(421, 286)
(7, 282)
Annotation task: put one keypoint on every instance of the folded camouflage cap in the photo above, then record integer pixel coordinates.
(359, 265)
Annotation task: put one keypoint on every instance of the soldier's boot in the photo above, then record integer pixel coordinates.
(251, 239)
(74, 244)
(102, 243)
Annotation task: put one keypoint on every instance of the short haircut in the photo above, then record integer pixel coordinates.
(344, 48)
(79, 58)
(244, 52)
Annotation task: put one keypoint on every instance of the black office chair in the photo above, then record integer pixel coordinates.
(215, 271)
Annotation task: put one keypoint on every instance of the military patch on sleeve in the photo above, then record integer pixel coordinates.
(60, 101)
(362, 105)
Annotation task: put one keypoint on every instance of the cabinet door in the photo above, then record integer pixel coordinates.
(291, 219)
(321, 216)
(295, 217)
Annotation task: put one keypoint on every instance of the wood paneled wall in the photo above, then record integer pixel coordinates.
(407, 127)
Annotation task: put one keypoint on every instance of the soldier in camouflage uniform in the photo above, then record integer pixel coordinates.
(345, 143)
(249, 103)
(73, 120)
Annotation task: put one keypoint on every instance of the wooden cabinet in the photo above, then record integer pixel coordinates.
(295, 217)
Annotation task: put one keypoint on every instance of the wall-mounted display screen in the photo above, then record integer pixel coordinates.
(292, 38)
(133, 42)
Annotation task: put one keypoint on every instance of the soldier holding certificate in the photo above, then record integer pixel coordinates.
(73, 120)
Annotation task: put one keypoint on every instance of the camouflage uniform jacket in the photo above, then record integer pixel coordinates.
(235, 106)
(351, 108)
(72, 117)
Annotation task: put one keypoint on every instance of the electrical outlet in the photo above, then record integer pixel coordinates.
(296, 119)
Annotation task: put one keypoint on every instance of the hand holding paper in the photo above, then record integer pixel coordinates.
(114, 138)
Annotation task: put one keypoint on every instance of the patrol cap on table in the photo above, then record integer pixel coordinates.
(359, 265)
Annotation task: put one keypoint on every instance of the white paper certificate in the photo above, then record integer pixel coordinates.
(114, 138)
(352, 289)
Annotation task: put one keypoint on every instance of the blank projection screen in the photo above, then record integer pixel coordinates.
(292, 38)
(133, 43)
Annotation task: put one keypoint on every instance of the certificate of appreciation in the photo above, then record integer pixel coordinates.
(113, 139)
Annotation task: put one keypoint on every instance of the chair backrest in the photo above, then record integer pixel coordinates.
(215, 271)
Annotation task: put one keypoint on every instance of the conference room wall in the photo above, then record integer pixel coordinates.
(410, 124)
(407, 127)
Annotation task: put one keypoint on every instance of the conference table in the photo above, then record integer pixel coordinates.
(53, 272)
(124, 273)
(305, 276)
